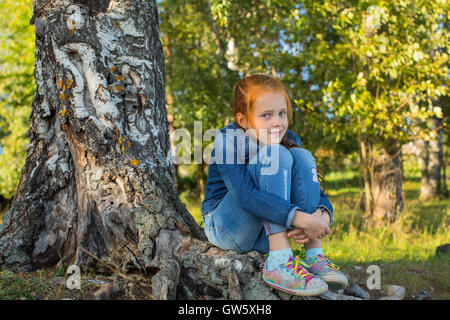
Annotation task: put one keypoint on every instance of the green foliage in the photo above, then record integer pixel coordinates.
(198, 81)
(16, 89)
(372, 68)
(379, 66)
(193, 205)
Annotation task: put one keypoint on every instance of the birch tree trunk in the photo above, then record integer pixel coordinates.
(99, 172)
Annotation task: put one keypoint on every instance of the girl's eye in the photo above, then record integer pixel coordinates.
(266, 115)
(282, 113)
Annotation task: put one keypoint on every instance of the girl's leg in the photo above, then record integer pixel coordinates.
(305, 186)
(305, 190)
(306, 194)
(229, 227)
(272, 173)
(281, 269)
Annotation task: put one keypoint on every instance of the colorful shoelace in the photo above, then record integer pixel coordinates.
(326, 263)
(296, 267)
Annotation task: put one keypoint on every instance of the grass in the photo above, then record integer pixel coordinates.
(41, 285)
(14, 287)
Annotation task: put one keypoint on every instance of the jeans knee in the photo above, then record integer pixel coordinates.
(275, 155)
(302, 156)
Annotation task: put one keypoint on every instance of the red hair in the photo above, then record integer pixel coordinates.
(249, 89)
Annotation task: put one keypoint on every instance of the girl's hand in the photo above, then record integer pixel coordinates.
(299, 235)
(312, 226)
(322, 215)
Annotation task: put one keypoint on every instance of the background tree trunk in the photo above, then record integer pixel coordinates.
(366, 160)
(387, 184)
(429, 158)
(99, 173)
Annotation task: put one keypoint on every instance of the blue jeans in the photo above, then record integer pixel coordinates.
(229, 227)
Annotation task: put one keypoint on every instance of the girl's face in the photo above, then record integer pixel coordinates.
(269, 117)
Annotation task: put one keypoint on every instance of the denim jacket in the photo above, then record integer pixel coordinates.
(231, 175)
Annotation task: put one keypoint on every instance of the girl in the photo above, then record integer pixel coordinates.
(269, 191)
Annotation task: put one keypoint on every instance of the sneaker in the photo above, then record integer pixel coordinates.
(293, 278)
(327, 271)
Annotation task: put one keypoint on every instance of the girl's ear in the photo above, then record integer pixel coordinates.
(242, 120)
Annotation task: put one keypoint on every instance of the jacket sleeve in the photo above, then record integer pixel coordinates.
(244, 191)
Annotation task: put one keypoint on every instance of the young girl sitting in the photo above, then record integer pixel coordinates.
(263, 188)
